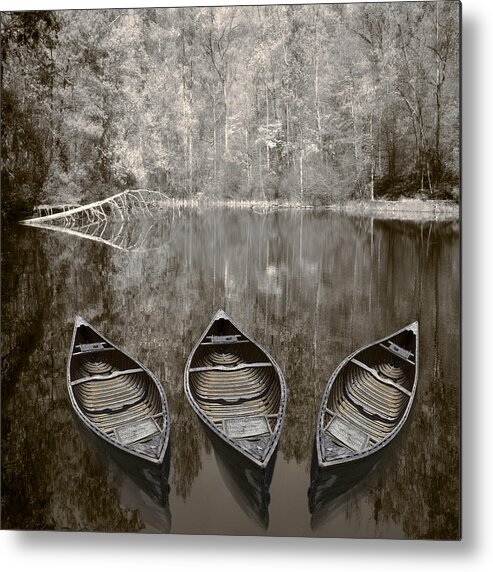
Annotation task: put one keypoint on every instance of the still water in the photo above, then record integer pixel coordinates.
(310, 287)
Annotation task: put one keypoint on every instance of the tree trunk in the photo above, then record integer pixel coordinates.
(225, 118)
(267, 127)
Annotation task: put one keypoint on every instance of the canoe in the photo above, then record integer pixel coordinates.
(236, 389)
(115, 396)
(368, 398)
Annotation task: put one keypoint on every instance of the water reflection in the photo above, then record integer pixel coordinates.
(129, 235)
(248, 484)
(145, 488)
(330, 487)
(311, 285)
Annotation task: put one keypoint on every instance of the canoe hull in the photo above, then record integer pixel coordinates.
(368, 398)
(116, 397)
(237, 390)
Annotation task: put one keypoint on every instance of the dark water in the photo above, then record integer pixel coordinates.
(310, 287)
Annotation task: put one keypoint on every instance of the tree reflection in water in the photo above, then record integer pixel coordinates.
(309, 286)
(248, 484)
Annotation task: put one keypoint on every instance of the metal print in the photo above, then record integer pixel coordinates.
(231, 270)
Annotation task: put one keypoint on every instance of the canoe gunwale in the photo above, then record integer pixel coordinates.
(413, 327)
(276, 432)
(79, 321)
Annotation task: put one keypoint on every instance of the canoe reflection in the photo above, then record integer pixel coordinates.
(332, 486)
(248, 483)
(144, 485)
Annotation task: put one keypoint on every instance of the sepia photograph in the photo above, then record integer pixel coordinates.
(231, 270)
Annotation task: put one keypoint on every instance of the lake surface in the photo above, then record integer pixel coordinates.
(310, 287)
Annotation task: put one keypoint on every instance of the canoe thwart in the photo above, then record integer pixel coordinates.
(399, 352)
(106, 376)
(223, 340)
(136, 431)
(91, 347)
(377, 375)
(243, 427)
(93, 351)
(348, 434)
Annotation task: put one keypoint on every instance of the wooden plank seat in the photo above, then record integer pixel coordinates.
(79, 353)
(253, 425)
(135, 431)
(224, 339)
(396, 350)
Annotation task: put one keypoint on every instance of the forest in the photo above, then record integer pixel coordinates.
(313, 104)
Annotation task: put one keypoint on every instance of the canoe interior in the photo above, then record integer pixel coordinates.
(237, 387)
(115, 394)
(369, 398)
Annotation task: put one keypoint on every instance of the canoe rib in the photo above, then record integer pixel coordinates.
(236, 389)
(116, 397)
(226, 368)
(369, 394)
(376, 375)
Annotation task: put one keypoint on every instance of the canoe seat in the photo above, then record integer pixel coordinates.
(347, 433)
(93, 351)
(142, 429)
(246, 427)
(223, 340)
(399, 352)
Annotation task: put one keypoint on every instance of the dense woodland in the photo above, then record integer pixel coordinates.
(316, 103)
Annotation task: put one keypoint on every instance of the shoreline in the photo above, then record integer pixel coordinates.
(404, 209)
(418, 210)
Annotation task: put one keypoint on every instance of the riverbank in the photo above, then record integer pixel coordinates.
(404, 209)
